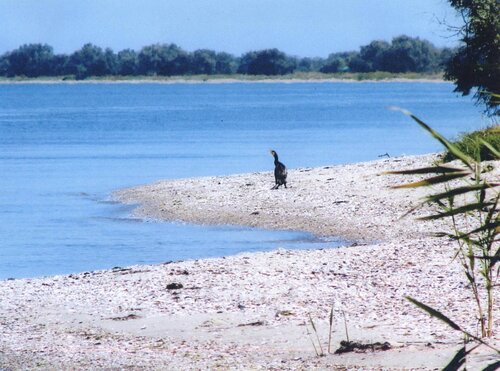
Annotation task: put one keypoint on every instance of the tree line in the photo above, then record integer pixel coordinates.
(402, 54)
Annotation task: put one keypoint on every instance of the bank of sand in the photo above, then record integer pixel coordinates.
(249, 311)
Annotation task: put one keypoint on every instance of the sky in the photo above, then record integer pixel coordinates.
(305, 28)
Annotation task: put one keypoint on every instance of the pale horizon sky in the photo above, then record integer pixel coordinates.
(305, 28)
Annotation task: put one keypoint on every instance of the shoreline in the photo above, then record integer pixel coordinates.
(251, 310)
(229, 80)
(309, 204)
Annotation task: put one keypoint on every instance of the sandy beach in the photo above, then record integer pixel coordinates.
(251, 311)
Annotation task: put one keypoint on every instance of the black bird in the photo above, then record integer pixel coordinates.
(279, 171)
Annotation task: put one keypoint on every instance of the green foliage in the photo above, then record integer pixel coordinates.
(29, 60)
(338, 62)
(266, 62)
(163, 59)
(203, 62)
(403, 55)
(225, 64)
(4, 64)
(127, 62)
(309, 64)
(473, 145)
(476, 64)
(334, 64)
(90, 60)
(371, 56)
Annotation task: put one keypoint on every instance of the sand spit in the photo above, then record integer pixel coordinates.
(248, 312)
(353, 201)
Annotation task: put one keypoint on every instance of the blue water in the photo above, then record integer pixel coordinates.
(64, 148)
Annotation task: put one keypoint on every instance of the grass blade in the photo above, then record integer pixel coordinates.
(492, 149)
(492, 367)
(435, 313)
(317, 336)
(493, 226)
(434, 180)
(310, 338)
(449, 146)
(460, 190)
(458, 210)
(449, 322)
(330, 332)
(457, 361)
(425, 170)
(345, 325)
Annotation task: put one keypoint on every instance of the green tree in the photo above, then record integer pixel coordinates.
(245, 61)
(149, 59)
(4, 64)
(59, 65)
(126, 61)
(90, 60)
(338, 62)
(333, 64)
(30, 60)
(310, 64)
(111, 62)
(373, 55)
(408, 54)
(225, 63)
(163, 59)
(203, 61)
(476, 64)
(267, 62)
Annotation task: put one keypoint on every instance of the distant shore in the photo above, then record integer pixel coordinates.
(224, 79)
(253, 310)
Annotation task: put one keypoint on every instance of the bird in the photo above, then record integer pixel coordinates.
(279, 171)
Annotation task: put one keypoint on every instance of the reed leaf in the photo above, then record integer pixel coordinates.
(435, 313)
(449, 146)
(490, 226)
(492, 149)
(494, 209)
(493, 226)
(449, 322)
(469, 277)
(467, 161)
(443, 234)
(493, 367)
(434, 180)
(459, 210)
(425, 170)
(466, 239)
(457, 361)
(493, 259)
(460, 190)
